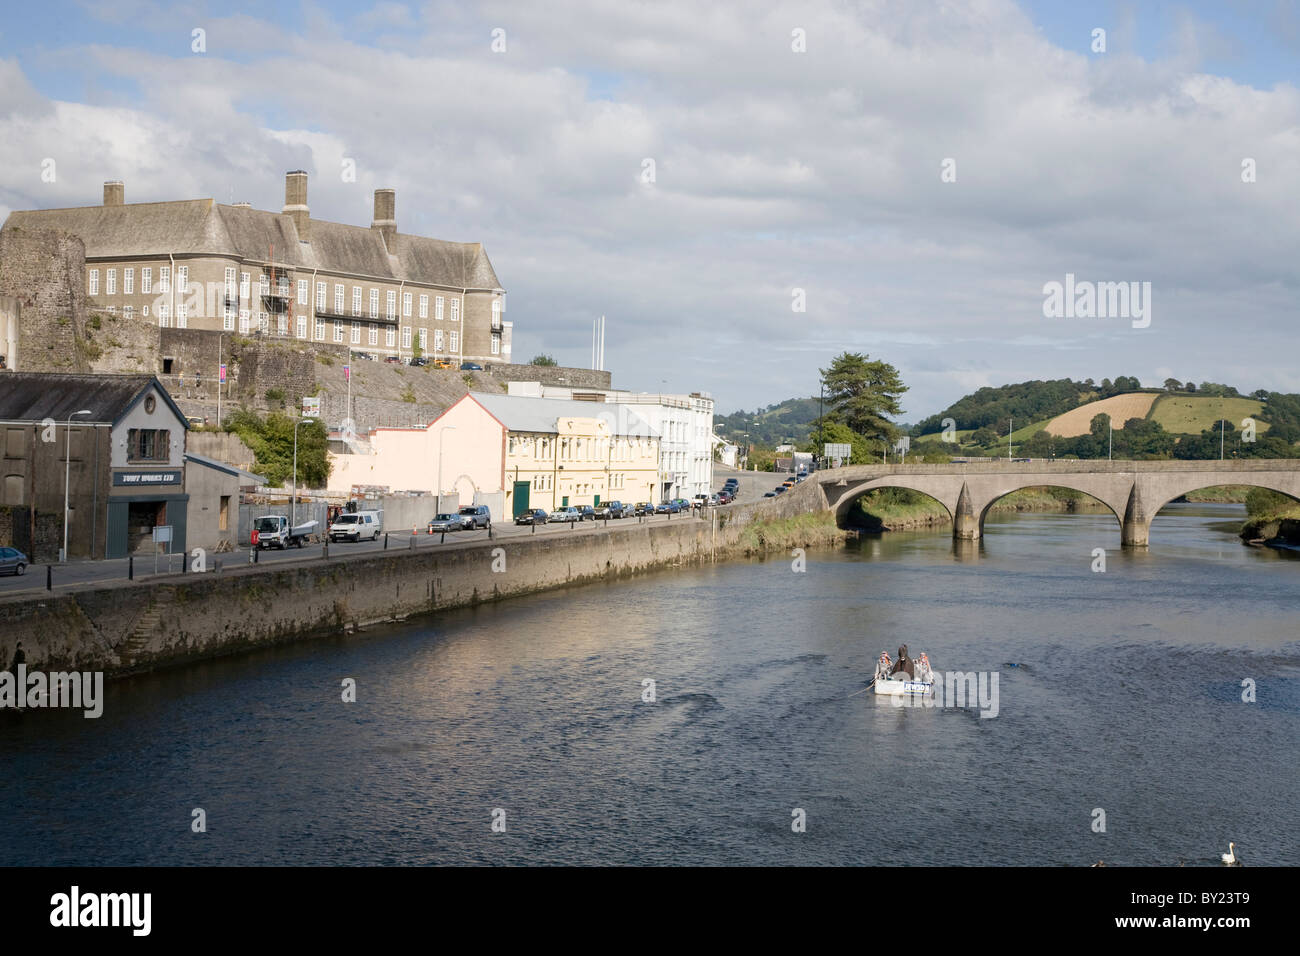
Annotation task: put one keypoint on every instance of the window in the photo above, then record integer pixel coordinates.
(451, 342)
(320, 330)
(424, 339)
(338, 298)
(390, 338)
(302, 327)
(356, 333)
(390, 304)
(496, 313)
(228, 319)
(182, 279)
(223, 516)
(455, 310)
(496, 345)
(263, 323)
(356, 300)
(148, 444)
(320, 298)
(406, 336)
(302, 291)
(338, 331)
(437, 308)
(406, 304)
(230, 281)
(92, 285)
(110, 282)
(129, 311)
(164, 278)
(374, 303)
(146, 280)
(282, 324)
(424, 306)
(144, 310)
(244, 320)
(181, 317)
(263, 283)
(437, 340)
(128, 282)
(243, 285)
(373, 334)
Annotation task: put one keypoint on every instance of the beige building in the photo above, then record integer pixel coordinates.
(510, 453)
(200, 264)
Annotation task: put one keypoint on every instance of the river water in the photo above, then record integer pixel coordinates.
(1118, 691)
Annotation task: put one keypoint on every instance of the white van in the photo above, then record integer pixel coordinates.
(357, 526)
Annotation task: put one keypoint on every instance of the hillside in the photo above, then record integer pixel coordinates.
(786, 421)
(1120, 408)
(1192, 414)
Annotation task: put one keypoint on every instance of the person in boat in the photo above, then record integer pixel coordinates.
(924, 670)
(883, 665)
(905, 664)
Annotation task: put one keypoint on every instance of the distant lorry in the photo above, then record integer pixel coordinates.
(273, 531)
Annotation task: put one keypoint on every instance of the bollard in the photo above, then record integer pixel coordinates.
(49, 577)
(216, 566)
(489, 532)
(251, 552)
(130, 568)
(257, 555)
(411, 545)
(443, 539)
(385, 540)
(534, 527)
(325, 549)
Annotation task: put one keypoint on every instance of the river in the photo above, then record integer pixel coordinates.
(1118, 691)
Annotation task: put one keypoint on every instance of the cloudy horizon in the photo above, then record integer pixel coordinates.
(914, 173)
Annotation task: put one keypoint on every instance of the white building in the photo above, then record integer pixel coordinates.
(684, 424)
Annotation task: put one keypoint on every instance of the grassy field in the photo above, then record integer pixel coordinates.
(1120, 408)
(1192, 414)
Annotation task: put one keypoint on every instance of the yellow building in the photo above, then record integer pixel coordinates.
(561, 453)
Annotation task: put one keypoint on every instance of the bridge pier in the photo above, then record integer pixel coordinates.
(1135, 531)
(965, 522)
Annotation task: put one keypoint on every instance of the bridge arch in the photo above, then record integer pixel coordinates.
(1268, 485)
(988, 506)
(852, 501)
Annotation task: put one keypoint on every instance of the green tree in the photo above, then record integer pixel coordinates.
(862, 394)
(271, 440)
(543, 360)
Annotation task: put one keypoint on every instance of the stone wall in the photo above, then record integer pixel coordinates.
(552, 375)
(44, 271)
(111, 627)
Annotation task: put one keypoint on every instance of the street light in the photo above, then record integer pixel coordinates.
(441, 435)
(293, 501)
(67, 474)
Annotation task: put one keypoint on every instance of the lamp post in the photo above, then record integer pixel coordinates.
(1011, 422)
(442, 434)
(67, 475)
(293, 501)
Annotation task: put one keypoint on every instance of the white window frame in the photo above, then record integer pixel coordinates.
(437, 340)
(406, 336)
(245, 321)
(390, 338)
(423, 339)
(322, 293)
(164, 315)
(302, 291)
(301, 330)
(92, 284)
(338, 331)
(373, 335)
(146, 281)
(320, 329)
(110, 282)
(390, 304)
(356, 300)
(406, 304)
(282, 324)
(164, 278)
(356, 333)
(182, 279)
(228, 319)
(424, 306)
(453, 342)
(128, 281)
(496, 345)
(437, 308)
(374, 303)
(338, 297)
(455, 310)
(244, 286)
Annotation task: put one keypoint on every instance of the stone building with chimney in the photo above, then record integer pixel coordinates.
(200, 264)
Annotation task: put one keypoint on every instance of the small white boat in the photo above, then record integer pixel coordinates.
(897, 683)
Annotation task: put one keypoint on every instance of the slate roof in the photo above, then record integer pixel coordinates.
(36, 396)
(524, 414)
(202, 227)
(246, 477)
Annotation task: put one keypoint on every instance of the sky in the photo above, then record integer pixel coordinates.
(743, 189)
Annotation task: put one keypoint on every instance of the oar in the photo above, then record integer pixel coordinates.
(863, 691)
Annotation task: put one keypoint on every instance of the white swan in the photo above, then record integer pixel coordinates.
(1230, 857)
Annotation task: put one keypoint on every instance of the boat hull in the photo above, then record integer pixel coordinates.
(910, 688)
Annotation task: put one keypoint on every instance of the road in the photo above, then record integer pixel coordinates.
(92, 572)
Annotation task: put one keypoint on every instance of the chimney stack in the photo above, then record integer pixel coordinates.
(114, 193)
(386, 218)
(295, 202)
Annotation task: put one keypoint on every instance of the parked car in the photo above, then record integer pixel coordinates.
(616, 509)
(532, 516)
(565, 514)
(586, 513)
(724, 498)
(13, 561)
(393, 359)
(470, 367)
(643, 508)
(419, 360)
(702, 501)
(668, 508)
(356, 525)
(363, 355)
(769, 494)
(443, 363)
(683, 504)
(779, 489)
(476, 516)
(446, 522)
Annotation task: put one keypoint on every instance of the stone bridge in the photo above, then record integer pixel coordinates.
(1133, 490)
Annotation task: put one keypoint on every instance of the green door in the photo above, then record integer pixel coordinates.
(564, 502)
(521, 497)
(597, 502)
